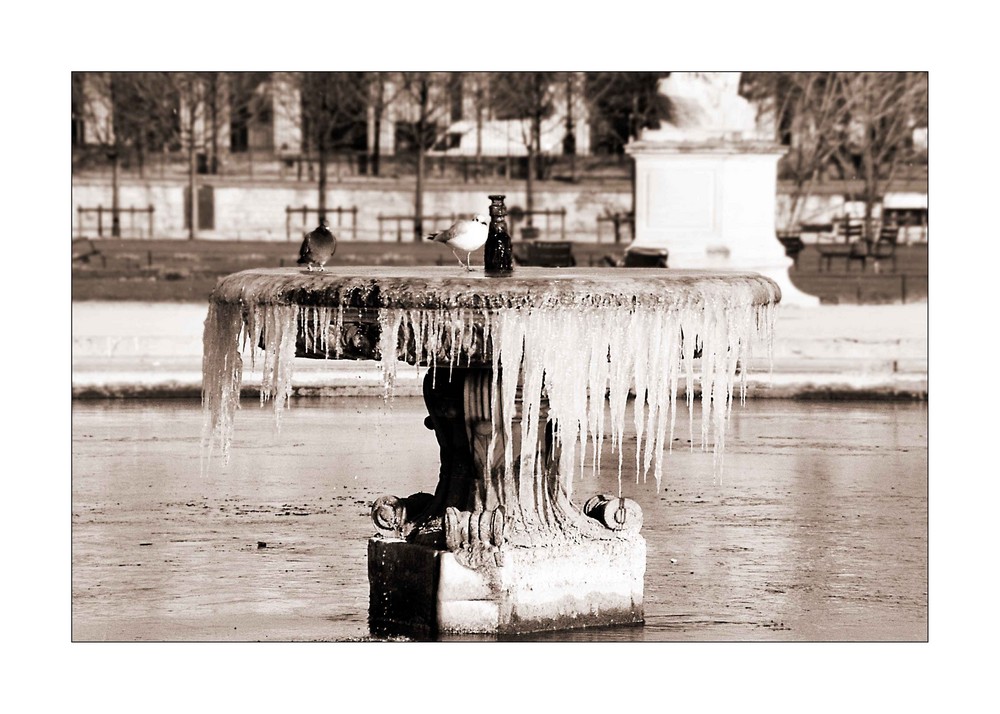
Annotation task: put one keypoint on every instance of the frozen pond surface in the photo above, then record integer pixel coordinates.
(817, 529)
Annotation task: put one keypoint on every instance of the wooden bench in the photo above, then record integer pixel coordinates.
(853, 233)
(882, 249)
(885, 247)
(545, 254)
(84, 249)
(854, 248)
(793, 245)
(645, 258)
(636, 258)
(846, 245)
(828, 252)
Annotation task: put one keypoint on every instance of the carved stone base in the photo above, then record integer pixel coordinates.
(421, 591)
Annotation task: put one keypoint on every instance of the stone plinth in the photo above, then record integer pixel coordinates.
(711, 204)
(422, 591)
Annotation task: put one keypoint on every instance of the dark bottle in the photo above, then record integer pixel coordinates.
(499, 254)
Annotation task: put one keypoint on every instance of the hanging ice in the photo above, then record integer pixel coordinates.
(577, 354)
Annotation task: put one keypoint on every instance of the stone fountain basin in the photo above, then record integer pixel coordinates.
(451, 288)
(358, 296)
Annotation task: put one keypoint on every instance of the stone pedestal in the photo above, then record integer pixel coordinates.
(711, 204)
(489, 554)
(422, 591)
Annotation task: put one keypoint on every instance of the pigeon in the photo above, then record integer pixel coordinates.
(466, 236)
(317, 247)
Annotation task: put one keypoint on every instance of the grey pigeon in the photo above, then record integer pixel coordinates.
(317, 247)
(466, 236)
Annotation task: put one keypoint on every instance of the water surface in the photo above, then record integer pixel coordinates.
(816, 528)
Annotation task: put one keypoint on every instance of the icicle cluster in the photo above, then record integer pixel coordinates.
(577, 356)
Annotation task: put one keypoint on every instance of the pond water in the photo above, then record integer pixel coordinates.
(815, 530)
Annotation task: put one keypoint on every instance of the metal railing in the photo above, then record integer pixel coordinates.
(105, 221)
(516, 216)
(431, 224)
(306, 211)
(617, 220)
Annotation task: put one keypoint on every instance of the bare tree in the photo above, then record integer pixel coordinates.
(569, 142)
(425, 93)
(383, 94)
(884, 108)
(479, 83)
(528, 96)
(809, 112)
(191, 88)
(125, 114)
(249, 106)
(214, 96)
(334, 118)
(620, 105)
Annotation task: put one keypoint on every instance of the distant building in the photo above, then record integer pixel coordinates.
(236, 113)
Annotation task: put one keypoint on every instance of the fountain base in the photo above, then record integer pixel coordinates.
(420, 591)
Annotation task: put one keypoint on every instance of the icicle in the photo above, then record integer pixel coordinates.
(389, 323)
(222, 372)
(579, 357)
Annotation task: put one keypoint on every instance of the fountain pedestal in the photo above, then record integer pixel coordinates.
(424, 591)
(490, 554)
(520, 368)
(706, 184)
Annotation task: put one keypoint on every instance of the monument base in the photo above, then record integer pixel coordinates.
(420, 591)
(710, 204)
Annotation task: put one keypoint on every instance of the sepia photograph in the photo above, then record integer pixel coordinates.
(572, 356)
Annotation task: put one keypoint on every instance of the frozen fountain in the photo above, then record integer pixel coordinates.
(521, 372)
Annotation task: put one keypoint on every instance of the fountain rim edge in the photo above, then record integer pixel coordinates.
(435, 287)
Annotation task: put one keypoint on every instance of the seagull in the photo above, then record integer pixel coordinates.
(317, 247)
(466, 236)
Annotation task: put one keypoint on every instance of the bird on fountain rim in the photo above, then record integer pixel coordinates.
(317, 247)
(466, 236)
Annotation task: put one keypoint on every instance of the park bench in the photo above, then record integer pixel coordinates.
(885, 247)
(882, 249)
(637, 258)
(846, 245)
(84, 249)
(546, 254)
(851, 246)
(645, 258)
(792, 241)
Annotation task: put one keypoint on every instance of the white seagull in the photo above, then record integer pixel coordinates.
(467, 236)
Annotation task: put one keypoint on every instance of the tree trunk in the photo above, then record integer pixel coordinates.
(870, 168)
(192, 161)
(321, 203)
(536, 131)
(418, 202)
(213, 167)
(529, 199)
(377, 128)
(479, 136)
(632, 181)
(377, 143)
(116, 226)
(871, 196)
(192, 184)
(418, 199)
(570, 135)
